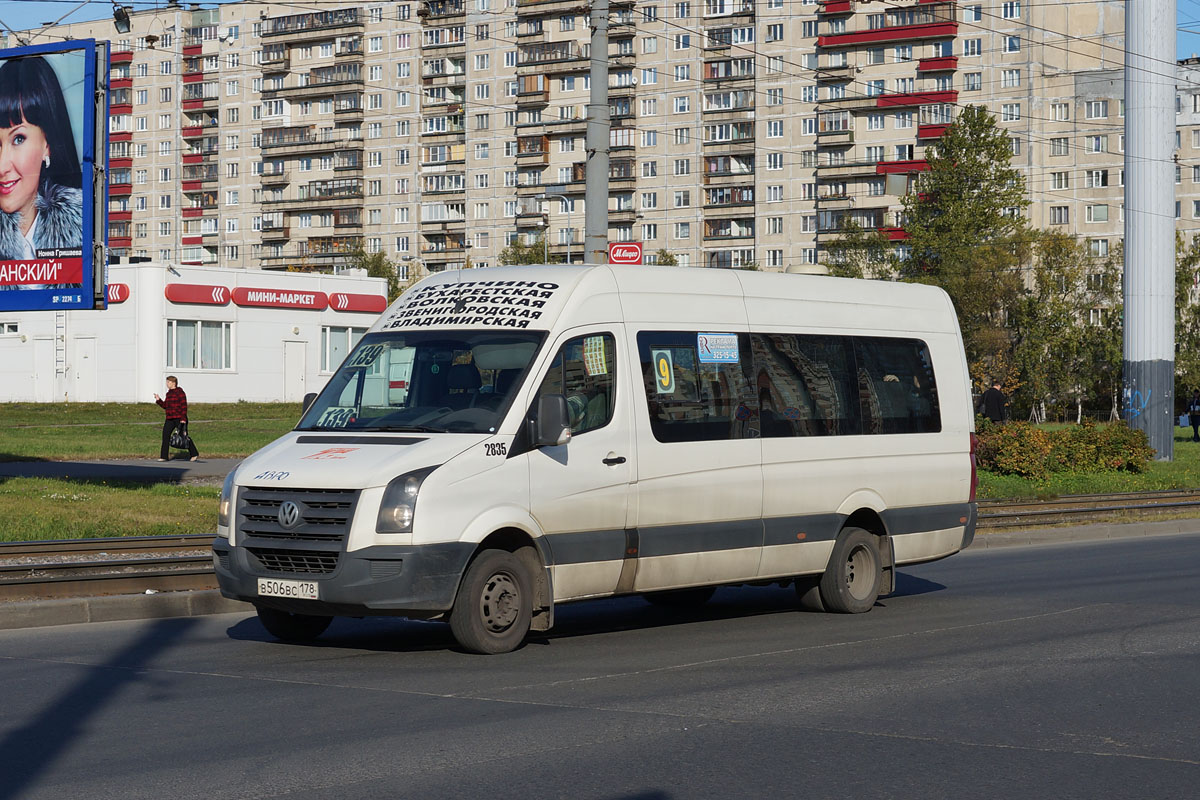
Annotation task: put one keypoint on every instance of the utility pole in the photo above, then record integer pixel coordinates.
(1149, 291)
(595, 197)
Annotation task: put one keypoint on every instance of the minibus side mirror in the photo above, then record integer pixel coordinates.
(308, 401)
(552, 426)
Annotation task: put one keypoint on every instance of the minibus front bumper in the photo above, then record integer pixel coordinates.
(418, 581)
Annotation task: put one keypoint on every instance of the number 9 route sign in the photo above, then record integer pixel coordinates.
(664, 371)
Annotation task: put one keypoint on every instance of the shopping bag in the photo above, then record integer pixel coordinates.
(180, 439)
(1183, 420)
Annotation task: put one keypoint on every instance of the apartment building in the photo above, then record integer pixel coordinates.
(262, 135)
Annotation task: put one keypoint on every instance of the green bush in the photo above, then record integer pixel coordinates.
(1025, 450)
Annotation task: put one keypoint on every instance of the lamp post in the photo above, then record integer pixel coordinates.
(567, 205)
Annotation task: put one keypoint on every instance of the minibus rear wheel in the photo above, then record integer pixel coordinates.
(851, 582)
(494, 606)
(291, 627)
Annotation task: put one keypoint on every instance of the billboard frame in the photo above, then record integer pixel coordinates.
(93, 165)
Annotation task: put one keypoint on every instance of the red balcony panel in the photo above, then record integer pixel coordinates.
(192, 158)
(119, 189)
(192, 105)
(120, 83)
(931, 131)
(191, 213)
(894, 234)
(901, 167)
(120, 241)
(939, 64)
(120, 108)
(193, 49)
(120, 56)
(915, 99)
(193, 186)
(116, 163)
(835, 7)
(898, 33)
(194, 77)
(193, 131)
(193, 240)
(120, 216)
(123, 136)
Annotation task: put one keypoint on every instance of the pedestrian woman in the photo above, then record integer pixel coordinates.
(41, 203)
(175, 404)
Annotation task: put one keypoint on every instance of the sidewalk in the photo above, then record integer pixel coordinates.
(144, 470)
(67, 611)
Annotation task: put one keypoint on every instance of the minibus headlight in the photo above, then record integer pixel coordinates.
(225, 508)
(399, 503)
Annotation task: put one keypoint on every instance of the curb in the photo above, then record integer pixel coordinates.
(1084, 533)
(111, 608)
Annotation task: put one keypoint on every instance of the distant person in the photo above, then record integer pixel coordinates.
(994, 404)
(41, 202)
(1193, 412)
(175, 404)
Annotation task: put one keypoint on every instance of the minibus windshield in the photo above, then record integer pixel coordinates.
(425, 381)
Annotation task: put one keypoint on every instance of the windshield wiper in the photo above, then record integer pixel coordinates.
(405, 428)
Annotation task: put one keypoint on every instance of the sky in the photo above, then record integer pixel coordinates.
(26, 14)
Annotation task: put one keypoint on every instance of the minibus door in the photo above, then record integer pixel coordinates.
(579, 491)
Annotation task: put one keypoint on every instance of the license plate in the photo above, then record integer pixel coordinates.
(301, 590)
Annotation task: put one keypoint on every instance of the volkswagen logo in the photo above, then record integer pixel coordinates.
(289, 514)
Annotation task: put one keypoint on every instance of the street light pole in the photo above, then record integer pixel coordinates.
(567, 204)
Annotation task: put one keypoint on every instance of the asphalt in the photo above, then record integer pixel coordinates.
(67, 611)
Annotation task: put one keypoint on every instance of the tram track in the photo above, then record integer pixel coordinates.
(135, 565)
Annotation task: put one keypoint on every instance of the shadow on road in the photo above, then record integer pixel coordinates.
(31, 750)
(398, 635)
(117, 473)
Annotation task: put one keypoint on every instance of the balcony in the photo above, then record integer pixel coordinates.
(276, 177)
(939, 64)
(321, 81)
(121, 57)
(531, 7)
(901, 167)
(120, 189)
(194, 212)
(931, 131)
(314, 26)
(275, 233)
(832, 7)
(835, 138)
(850, 169)
(854, 102)
(843, 72)
(912, 99)
(299, 140)
(442, 10)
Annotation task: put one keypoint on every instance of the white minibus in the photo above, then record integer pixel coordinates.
(504, 440)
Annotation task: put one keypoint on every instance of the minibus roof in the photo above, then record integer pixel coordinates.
(536, 297)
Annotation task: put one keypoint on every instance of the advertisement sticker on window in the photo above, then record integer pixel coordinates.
(717, 348)
(594, 359)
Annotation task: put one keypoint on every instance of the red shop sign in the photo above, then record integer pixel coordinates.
(279, 298)
(118, 292)
(340, 301)
(196, 293)
(625, 253)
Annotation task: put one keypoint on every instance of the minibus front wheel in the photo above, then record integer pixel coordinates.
(852, 580)
(494, 605)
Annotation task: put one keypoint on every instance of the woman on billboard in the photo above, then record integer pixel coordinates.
(41, 202)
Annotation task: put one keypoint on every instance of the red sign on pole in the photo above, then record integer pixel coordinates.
(279, 298)
(339, 301)
(197, 294)
(625, 252)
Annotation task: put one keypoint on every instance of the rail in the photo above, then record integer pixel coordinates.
(133, 565)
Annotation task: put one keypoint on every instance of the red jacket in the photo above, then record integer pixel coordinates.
(175, 404)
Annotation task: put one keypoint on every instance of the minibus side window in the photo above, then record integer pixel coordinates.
(805, 385)
(896, 386)
(694, 401)
(584, 369)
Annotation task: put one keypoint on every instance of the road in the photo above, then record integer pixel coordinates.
(1064, 671)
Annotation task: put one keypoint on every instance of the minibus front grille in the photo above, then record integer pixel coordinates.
(324, 514)
(295, 562)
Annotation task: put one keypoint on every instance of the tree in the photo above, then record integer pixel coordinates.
(532, 253)
(666, 258)
(964, 233)
(1187, 316)
(378, 265)
(860, 253)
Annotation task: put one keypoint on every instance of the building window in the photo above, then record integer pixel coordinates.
(336, 343)
(193, 344)
(1097, 109)
(973, 82)
(1060, 215)
(1099, 213)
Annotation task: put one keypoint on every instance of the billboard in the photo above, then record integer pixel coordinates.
(625, 252)
(53, 128)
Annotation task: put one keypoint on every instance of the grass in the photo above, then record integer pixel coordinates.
(1181, 473)
(98, 431)
(38, 509)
